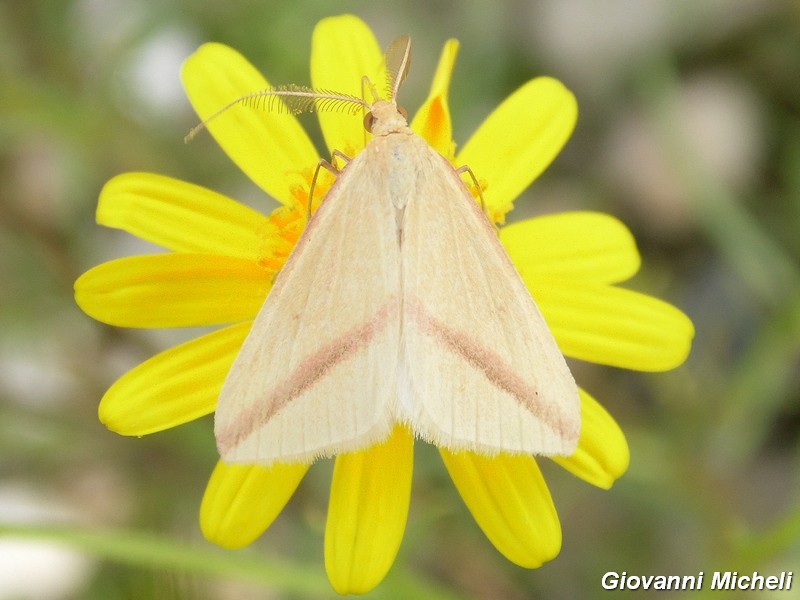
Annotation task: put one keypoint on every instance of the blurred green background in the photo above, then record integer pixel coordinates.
(689, 132)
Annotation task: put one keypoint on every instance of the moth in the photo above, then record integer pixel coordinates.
(398, 305)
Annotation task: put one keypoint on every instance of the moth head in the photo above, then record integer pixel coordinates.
(385, 116)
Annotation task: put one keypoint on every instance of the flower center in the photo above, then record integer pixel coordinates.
(286, 223)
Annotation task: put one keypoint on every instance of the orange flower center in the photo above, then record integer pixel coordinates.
(286, 223)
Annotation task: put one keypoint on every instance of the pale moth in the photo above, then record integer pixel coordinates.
(398, 305)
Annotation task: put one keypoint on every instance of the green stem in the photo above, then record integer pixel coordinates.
(151, 551)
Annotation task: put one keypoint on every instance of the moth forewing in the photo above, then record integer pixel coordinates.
(482, 366)
(317, 373)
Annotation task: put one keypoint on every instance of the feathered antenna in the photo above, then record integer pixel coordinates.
(296, 99)
(398, 62)
(293, 99)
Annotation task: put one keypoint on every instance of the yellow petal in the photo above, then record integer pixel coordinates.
(584, 246)
(343, 51)
(613, 326)
(510, 501)
(519, 140)
(182, 216)
(367, 514)
(173, 387)
(269, 146)
(241, 501)
(173, 290)
(432, 121)
(602, 455)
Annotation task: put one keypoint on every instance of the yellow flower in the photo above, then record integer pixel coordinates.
(225, 255)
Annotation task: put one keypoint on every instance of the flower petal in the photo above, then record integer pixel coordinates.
(173, 290)
(241, 501)
(602, 456)
(367, 514)
(509, 500)
(182, 216)
(173, 387)
(270, 147)
(432, 121)
(584, 246)
(343, 51)
(614, 326)
(519, 140)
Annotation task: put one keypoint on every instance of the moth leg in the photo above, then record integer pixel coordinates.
(465, 169)
(328, 166)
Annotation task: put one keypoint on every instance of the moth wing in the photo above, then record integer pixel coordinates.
(480, 369)
(318, 371)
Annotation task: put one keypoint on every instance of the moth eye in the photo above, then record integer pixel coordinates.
(368, 121)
